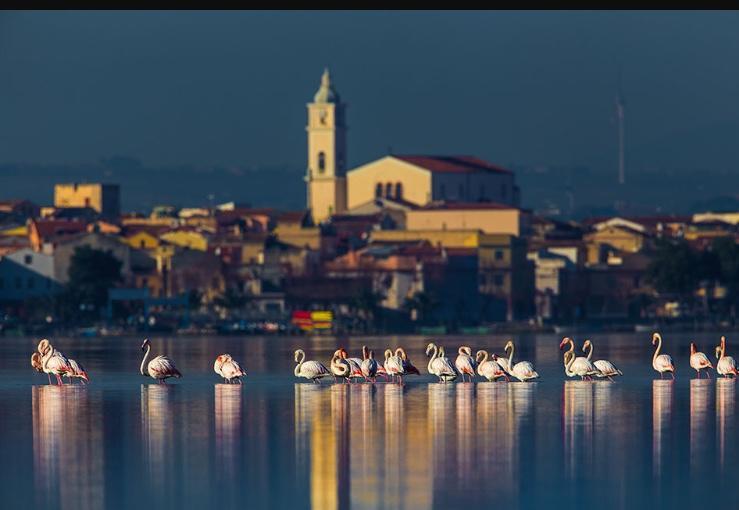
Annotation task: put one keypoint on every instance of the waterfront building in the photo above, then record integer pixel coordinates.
(103, 198)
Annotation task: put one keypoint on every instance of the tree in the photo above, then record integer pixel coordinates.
(424, 305)
(726, 267)
(91, 274)
(675, 268)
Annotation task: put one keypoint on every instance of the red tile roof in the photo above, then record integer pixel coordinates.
(459, 206)
(50, 228)
(452, 164)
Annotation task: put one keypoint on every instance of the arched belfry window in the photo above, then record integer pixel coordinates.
(378, 190)
(321, 162)
(389, 190)
(399, 190)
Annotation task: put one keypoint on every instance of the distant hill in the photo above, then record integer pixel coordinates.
(143, 187)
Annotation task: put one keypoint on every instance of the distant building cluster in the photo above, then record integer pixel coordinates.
(401, 241)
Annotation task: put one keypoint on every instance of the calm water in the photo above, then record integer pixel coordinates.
(277, 442)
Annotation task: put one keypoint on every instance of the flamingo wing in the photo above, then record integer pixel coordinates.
(231, 369)
(464, 365)
(726, 365)
(162, 367)
(606, 368)
(313, 370)
(524, 370)
(663, 363)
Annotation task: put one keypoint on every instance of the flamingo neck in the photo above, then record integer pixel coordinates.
(299, 366)
(568, 365)
(510, 357)
(143, 361)
(433, 357)
(723, 346)
(659, 346)
(590, 351)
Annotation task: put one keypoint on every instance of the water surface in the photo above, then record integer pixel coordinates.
(278, 442)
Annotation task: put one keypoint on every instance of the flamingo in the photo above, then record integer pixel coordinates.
(339, 366)
(408, 367)
(228, 368)
(439, 365)
(490, 370)
(312, 370)
(465, 363)
(53, 361)
(661, 362)
(159, 368)
(369, 364)
(78, 371)
(577, 366)
(523, 370)
(355, 364)
(394, 365)
(726, 364)
(699, 361)
(605, 367)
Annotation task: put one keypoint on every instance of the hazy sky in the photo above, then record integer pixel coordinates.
(230, 88)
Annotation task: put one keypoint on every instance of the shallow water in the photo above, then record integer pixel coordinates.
(278, 442)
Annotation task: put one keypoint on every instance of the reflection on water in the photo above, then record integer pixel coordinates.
(701, 440)
(578, 426)
(158, 435)
(67, 448)
(661, 423)
(227, 428)
(725, 423)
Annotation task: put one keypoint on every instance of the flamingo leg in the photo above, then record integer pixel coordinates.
(673, 375)
(49, 376)
(59, 380)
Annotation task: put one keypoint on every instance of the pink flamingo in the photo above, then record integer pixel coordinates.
(228, 368)
(53, 361)
(159, 368)
(699, 361)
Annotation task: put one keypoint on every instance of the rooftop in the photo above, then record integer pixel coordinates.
(452, 164)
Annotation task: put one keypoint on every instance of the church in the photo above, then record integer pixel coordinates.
(415, 180)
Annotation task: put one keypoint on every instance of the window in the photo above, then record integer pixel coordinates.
(142, 244)
(399, 190)
(28, 259)
(388, 190)
(498, 254)
(30, 282)
(87, 201)
(498, 279)
(321, 162)
(378, 190)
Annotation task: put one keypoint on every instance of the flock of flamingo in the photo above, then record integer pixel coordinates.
(397, 364)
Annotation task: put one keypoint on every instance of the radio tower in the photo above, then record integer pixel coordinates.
(620, 120)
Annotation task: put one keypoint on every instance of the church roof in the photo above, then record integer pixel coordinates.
(451, 164)
(326, 92)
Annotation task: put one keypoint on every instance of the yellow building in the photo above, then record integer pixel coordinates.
(186, 238)
(326, 172)
(103, 198)
(489, 217)
(142, 240)
(608, 237)
(422, 179)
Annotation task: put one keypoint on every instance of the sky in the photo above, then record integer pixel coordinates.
(230, 88)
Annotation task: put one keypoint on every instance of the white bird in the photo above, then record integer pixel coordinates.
(439, 365)
(661, 362)
(312, 370)
(699, 361)
(53, 361)
(340, 366)
(394, 365)
(577, 366)
(77, 371)
(726, 364)
(369, 364)
(355, 365)
(605, 367)
(523, 370)
(159, 368)
(465, 363)
(489, 369)
(228, 368)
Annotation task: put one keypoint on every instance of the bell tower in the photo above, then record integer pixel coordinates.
(326, 172)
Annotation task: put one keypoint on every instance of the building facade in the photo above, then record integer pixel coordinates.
(105, 199)
(326, 172)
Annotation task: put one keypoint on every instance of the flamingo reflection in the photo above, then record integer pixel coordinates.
(157, 432)
(662, 391)
(68, 456)
(725, 423)
(700, 440)
(578, 426)
(228, 405)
